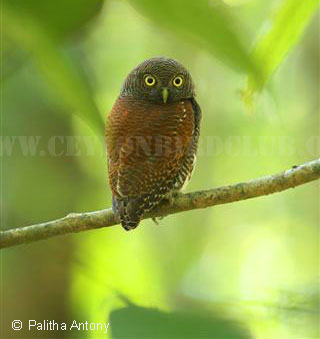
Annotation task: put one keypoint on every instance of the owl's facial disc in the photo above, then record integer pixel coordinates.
(159, 80)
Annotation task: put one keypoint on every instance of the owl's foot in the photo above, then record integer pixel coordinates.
(172, 196)
(169, 198)
(157, 219)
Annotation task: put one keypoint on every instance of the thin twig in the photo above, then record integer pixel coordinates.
(78, 222)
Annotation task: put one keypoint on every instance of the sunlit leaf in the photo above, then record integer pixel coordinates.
(207, 24)
(286, 28)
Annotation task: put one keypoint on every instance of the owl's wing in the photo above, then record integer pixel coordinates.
(189, 159)
(197, 119)
(148, 149)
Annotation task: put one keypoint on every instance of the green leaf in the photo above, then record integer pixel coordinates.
(40, 41)
(207, 24)
(286, 28)
(144, 322)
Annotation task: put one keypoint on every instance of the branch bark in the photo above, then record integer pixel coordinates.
(78, 222)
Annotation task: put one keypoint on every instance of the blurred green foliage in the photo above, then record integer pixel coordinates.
(285, 28)
(209, 24)
(147, 322)
(44, 25)
(249, 269)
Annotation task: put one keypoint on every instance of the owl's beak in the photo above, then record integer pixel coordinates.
(165, 94)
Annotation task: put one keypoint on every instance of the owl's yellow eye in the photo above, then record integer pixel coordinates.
(178, 81)
(150, 80)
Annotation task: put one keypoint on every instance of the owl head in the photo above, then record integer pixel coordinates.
(159, 80)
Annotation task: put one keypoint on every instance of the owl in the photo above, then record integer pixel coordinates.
(152, 134)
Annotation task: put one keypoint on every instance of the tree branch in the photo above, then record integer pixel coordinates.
(78, 222)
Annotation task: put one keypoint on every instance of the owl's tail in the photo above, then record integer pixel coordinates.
(129, 211)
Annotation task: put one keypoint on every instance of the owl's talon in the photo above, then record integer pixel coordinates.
(157, 219)
(172, 197)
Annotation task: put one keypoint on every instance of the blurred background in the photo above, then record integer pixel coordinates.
(243, 270)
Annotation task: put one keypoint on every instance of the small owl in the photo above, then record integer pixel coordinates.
(151, 135)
